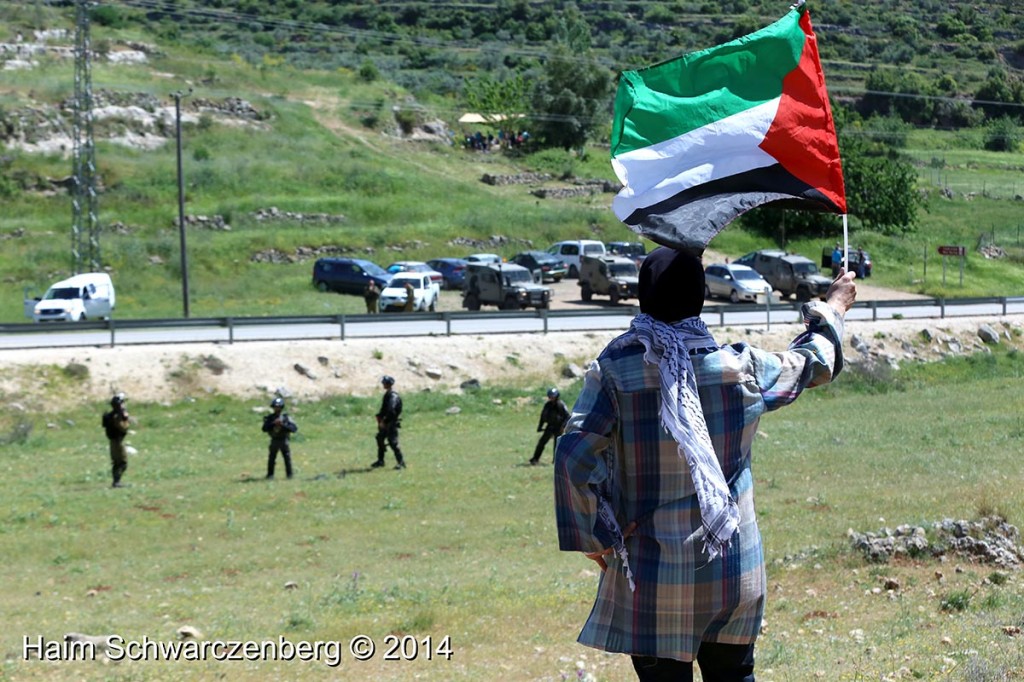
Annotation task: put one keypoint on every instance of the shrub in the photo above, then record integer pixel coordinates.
(368, 72)
(956, 601)
(76, 371)
(107, 15)
(1002, 135)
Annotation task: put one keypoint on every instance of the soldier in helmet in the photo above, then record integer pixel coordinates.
(553, 416)
(116, 423)
(388, 423)
(280, 427)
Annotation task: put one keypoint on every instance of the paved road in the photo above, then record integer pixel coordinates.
(440, 324)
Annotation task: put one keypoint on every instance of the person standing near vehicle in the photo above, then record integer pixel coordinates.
(388, 422)
(280, 427)
(116, 423)
(410, 298)
(553, 416)
(371, 294)
(862, 264)
(653, 479)
(837, 260)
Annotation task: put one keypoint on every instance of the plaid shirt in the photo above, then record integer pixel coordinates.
(614, 442)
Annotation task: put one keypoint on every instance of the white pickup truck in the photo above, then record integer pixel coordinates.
(425, 292)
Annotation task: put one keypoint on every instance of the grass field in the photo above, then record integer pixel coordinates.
(462, 543)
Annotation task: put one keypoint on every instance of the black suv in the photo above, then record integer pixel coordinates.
(788, 273)
(348, 275)
(544, 266)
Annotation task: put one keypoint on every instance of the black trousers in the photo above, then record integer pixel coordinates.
(279, 445)
(718, 663)
(389, 435)
(542, 443)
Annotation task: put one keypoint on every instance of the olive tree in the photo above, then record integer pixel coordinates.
(572, 96)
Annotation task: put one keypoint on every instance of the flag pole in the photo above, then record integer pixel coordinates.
(846, 243)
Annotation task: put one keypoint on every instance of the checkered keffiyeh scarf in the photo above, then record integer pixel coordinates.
(667, 345)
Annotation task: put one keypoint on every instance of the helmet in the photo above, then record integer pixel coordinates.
(277, 402)
(118, 399)
(553, 392)
(387, 380)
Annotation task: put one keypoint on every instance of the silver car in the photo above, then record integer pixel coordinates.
(735, 282)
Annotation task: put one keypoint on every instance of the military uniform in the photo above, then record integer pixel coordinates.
(371, 294)
(388, 423)
(116, 424)
(280, 427)
(553, 416)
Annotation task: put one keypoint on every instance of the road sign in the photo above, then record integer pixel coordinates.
(952, 250)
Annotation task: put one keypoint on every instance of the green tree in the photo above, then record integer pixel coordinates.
(572, 94)
(881, 188)
(895, 91)
(881, 191)
(1000, 88)
(1003, 135)
(490, 96)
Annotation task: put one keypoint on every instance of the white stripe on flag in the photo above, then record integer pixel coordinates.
(726, 147)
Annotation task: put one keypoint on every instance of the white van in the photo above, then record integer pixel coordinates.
(89, 296)
(569, 252)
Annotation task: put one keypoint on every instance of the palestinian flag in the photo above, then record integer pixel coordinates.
(702, 138)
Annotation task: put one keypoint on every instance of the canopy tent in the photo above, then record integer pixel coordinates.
(471, 117)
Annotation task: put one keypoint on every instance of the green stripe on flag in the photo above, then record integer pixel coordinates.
(660, 171)
(672, 98)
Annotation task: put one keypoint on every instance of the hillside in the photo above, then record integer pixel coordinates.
(428, 46)
(285, 161)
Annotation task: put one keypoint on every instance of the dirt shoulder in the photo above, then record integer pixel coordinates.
(313, 370)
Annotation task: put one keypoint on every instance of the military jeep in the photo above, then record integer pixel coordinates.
(789, 273)
(506, 285)
(612, 276)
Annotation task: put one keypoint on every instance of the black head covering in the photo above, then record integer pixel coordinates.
(671, 285)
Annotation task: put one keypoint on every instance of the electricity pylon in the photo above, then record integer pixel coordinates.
(85, 227)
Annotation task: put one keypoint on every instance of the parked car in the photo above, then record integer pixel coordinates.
(425, 292)
(89, 296)
(415, 266)
(635, 251)
(790, 273)
(506, 285)
(612, 276)
(853, 259)
(543, 266)
(735, 282)
(570, 252)
(484, 258)
(452, 269)
(348, 275)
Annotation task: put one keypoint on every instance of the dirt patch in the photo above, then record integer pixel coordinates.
(255, 370)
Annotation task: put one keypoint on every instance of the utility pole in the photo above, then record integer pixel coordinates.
(85, 228)
(181, 199)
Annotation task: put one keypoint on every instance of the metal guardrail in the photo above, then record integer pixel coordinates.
(774, 311)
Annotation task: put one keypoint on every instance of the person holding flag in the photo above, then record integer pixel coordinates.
(653, 474)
